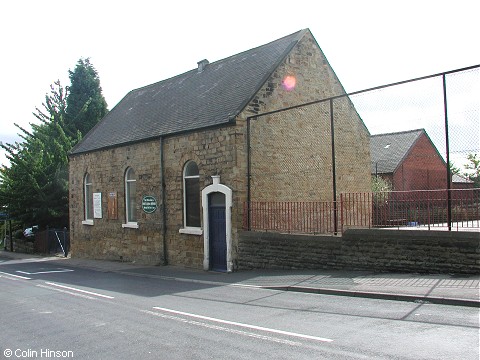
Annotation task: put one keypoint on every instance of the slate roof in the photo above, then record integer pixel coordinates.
(189, 101)
(459, 179)
(388, 150)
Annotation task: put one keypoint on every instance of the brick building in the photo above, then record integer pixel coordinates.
(410, 161)
(162, 178)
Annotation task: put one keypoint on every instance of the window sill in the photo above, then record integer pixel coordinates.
(131, 225)
(191, 231)
(87, 222)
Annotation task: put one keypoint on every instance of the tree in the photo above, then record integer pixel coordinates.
(379, 184)
(34, 189)
(86, 105)
(453, 168)
(473, 167)
(381, 188)
(35, 186)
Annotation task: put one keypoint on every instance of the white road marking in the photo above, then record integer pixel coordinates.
(79, 290)
(31, 260)
(65, 292)
(221, 328)
(15, 276)
(44, 272)
(253, 327)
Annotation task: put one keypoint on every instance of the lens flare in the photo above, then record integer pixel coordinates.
(289, 82)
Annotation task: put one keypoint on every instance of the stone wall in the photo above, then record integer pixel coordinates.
(376, 250)
(291, 151)
(106, 238)
(214, 152)
(20, 245)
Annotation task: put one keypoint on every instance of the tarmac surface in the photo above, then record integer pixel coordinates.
(448, 289)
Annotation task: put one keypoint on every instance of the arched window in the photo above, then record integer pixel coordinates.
(130, 196)
(191, 195)
(88, 197)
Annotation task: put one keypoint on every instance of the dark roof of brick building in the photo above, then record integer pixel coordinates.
(190, 101)
(388, 150)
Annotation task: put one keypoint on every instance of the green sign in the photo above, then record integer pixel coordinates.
(149, 204)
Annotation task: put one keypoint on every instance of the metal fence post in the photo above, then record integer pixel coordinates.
(447, 145)
(334, 182)
(341, 212)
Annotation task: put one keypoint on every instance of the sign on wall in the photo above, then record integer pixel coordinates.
(97, 205)
(112, 212)
(149, 204)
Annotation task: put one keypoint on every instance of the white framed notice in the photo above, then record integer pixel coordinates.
(97, 205)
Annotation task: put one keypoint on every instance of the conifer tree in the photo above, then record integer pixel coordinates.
(86, 105)
(35, 186)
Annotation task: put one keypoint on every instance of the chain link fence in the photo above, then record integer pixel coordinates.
(420, 104)
(412, 137)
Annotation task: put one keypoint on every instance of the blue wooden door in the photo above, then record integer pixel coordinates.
(217, 232)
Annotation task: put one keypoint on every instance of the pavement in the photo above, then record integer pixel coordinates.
(447, 289)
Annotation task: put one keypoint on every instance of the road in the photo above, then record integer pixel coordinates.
(49, 310)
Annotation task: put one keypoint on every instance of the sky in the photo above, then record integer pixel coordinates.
(135, 43)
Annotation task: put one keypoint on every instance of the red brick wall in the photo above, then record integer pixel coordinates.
(460, 186)
(422, 169)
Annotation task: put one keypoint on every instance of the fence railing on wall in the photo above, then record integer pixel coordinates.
(316, 217)
(427, 209)
(424, 209)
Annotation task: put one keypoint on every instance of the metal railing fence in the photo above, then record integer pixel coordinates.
(427, 209)
(291, 216)
(423, 209)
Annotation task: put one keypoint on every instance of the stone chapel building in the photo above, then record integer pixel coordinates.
(163, 177)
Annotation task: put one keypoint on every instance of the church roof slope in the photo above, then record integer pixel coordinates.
(200, 98)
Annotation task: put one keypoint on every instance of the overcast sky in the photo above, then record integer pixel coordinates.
(136, 43)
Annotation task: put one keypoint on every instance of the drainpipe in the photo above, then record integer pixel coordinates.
(249, 175)
(162, 206)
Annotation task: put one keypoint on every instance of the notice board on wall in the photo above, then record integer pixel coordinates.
(97, 205)
(112, 211)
